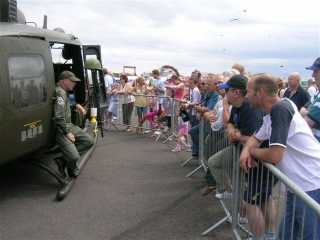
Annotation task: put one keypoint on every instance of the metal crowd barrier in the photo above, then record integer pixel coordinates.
(164, 126)
(204, 130)
(254, 202)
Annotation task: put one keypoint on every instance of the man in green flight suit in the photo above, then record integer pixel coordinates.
(71, 139)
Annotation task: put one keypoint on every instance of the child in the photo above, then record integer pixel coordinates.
(182, 132)
(152, 118)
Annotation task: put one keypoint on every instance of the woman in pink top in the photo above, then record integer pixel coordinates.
(177, 86)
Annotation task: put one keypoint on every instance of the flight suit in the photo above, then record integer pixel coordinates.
(62, 118)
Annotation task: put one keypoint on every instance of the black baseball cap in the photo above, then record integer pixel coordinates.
(237, 81)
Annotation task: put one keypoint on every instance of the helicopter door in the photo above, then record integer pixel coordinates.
(95, 83)
(28, 86)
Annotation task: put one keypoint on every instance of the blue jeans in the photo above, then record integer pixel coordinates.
(194, 133)
(194, 120)
(300, 221)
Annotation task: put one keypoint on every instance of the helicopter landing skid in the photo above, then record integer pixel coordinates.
(58, 176)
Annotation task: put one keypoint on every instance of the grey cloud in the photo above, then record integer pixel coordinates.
(184, 33)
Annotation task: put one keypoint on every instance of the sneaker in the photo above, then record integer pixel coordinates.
(270, 236)
(242, 220)
(107, 126)
(177, 149)
(207, 189)
(147, 131)
(185, 144)
(223, 195)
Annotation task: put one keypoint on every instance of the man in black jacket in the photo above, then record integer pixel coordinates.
(295, 92)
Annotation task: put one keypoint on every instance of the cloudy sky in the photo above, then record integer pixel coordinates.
(278, 36)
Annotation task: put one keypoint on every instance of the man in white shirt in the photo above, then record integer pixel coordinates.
(195, 99)
(112, 98)
(292, 148)
(312, 88)
(159, 87)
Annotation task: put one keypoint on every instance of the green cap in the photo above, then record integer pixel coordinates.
(68, 75)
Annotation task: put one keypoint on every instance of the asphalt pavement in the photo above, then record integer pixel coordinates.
(131, 188)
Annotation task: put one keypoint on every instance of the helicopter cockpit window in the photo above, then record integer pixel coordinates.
(27, 80)
(61, 53)
(61, 58)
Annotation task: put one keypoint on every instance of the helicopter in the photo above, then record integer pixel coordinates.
(30, 61)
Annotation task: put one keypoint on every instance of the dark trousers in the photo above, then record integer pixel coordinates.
(71, 151)
(210, 179)
(194, 120)
(194, 133)
(127, 109)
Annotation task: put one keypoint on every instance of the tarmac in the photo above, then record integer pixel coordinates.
(132, 188)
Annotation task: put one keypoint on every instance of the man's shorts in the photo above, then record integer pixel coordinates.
(141, 110)
(113, 108)
(259, 182)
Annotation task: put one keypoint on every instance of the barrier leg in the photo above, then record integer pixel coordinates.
(213, 227)
(187, 161)
(225, 219)
(196, 170)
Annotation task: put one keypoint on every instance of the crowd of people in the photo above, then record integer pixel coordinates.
(273, 123)
(276, 122)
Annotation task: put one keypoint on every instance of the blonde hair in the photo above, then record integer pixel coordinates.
(141, 79)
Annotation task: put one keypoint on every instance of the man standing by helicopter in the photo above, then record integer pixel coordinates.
(71, 139)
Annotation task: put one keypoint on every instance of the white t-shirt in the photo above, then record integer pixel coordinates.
(108, 82)
(312, 90)
(285, 127)
(159, 84)
(218, 108)
(195, 98)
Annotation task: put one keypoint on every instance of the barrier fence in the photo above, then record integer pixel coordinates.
(158, 114)
(259, 204)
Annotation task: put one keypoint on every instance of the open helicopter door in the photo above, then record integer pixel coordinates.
(95, 81)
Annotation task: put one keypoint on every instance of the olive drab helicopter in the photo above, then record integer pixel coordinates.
(31, 59)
